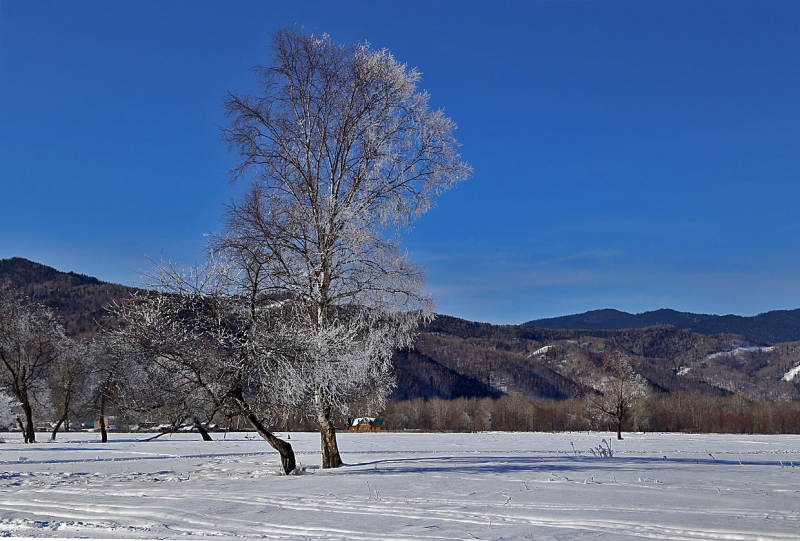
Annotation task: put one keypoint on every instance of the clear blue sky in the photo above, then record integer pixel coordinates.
(627, 154)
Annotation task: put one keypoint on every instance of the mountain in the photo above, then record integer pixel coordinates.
(75, 298)
(614, 319)
(770, 327)
(556, 363)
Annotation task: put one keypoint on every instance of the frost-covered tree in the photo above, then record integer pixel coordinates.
(7, 405)
(202, 342)
(30, 341)
(342, 151)
(67, 381)
(108, 365)
(617, 388)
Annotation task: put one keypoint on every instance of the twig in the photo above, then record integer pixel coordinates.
(157, 435)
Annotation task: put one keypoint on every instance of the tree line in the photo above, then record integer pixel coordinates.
(660, 412)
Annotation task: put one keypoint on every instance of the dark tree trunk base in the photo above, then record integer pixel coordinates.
(55, 429)
(30, 432)
(284, 448)
(23, 430)
(203, 432)
(330, 448)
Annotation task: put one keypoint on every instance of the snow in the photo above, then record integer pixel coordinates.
(683, 370)
(541, 351)
(740, 350)
(406, 486)
(789, 376)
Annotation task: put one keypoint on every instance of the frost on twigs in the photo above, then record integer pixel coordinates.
(301, 469)
(198, 346)
(7, 417)
(615, 391)
(603, 450)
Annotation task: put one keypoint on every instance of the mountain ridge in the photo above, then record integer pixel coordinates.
(771, 327)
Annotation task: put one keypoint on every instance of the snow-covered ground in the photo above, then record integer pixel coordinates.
(406, 486)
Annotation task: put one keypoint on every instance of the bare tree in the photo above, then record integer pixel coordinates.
(67, 380)
(138, 381)
(618, 387)
(104, 364)
(211, 346)
(30, 338)
(342, 152)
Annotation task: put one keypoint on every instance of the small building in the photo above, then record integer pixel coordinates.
(95, 425)
(365, 423)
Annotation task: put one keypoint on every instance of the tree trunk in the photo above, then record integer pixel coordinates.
(64, 419)
(103, 432)
(202, 430)
(151, 438)
(283, 448)
(22, 429)
(619, 429)
(30, 433)
(327, 432)
(55, 429)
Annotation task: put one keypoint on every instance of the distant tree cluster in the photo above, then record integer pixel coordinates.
(511, 412)
(675, 412)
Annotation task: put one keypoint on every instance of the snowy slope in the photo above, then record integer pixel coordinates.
(790, 375)
(407, 486)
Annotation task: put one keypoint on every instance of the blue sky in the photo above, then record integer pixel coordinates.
(626, 154)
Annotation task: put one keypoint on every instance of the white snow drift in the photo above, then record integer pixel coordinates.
(407, 486)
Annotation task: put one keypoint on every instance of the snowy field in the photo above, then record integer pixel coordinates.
(406, 486)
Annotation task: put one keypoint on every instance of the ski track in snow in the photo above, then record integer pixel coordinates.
(406, 486)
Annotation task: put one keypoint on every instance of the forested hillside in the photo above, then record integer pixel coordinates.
(454, 358)
(552, 363)
(77, 299)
